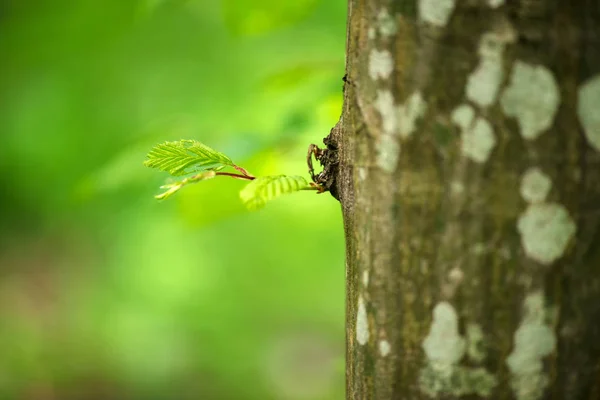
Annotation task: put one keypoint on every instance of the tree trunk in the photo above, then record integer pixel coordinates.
(469, 177)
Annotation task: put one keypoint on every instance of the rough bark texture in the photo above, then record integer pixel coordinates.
(469, 176)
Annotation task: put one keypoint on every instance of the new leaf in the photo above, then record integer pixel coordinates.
(186, 156)
(256, 194)
(175, 186)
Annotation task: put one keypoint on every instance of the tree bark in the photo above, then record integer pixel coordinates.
(468, 158)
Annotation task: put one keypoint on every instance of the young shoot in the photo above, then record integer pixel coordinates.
(195, 162)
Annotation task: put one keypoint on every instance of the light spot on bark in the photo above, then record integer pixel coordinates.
(388, 152)
(587, 109)
(462, 381)
(362, 173)
(457, 188)
(505, 252)
(479, 248)
(477, 137)
(535, 185)
(533, 341)
(455, 278)
(456, 275)
(545, 229)
(380, 64)
(384, 103)
(495, 3)
(444, 345)
(409, 112)
(384, 348)
(463, 115)
(436, 12)
(401, 119)
(532, 97)
(387, 146)
(365, 278)
(478, 141)
(387, 24)
(444, 348)
(483, 84)
(371, 33)
(362, 323)
(424, 266)
(475, 347)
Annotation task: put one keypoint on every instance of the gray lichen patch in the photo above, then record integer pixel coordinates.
(384, 348)
(545, 229)
(444, 345)
(588, 104)
(455, 278)
(477, 135)
(475, 347)
(362, 323)
(386, 23)
(533, 341)
(532, 97)
(457, 188)
(380, 64)
(384, 103)
(387, 145)
(388, 152)
(478, 141)
(413, 108)
(463, 115)
(535, 185)
(401, 119)
(371, 33)
(460, 382)
(483, 83)
(362, 173)
(444, 348)
(436, 12)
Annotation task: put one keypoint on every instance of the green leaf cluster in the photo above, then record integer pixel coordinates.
(190, 156)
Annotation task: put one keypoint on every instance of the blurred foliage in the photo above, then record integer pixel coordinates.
(106, 293)
(252, 18)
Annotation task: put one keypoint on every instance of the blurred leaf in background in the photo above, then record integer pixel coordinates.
(253, 18)
(106, 293)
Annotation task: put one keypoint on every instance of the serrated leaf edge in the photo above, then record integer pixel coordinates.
(178, 157)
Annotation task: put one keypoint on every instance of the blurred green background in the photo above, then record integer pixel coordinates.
(106, 293)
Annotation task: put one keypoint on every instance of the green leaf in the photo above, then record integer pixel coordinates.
(186, 156)
(175, 186)
(256, 194)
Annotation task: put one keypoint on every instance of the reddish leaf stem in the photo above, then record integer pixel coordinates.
(236, 176)
(243, 171)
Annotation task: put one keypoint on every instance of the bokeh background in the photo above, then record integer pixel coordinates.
(106, 293)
